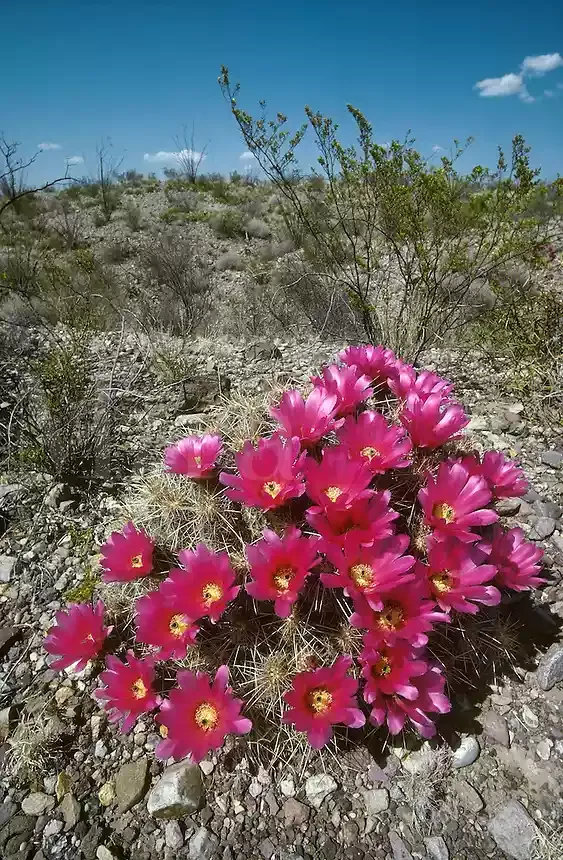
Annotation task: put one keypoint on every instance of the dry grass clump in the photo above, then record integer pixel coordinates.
(244, 416)
(425, 787)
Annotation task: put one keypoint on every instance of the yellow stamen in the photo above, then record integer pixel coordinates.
(272, 488)
(197, 460)
(445, 512)
(178, 625)
(391, 616)
(206, 716)
(139, 689)
(137, 561)
(362, 575)
(370, 452)
(211, 593)
(333, 493)
(319, 700)
(282, 578)
(442, 581)
(381, 668)
(163, 731)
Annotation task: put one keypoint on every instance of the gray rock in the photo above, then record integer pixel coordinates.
(131, 783)
(173, 835)
(436, 848)
(37, 803)
(398, 847)
(508, 507)
(178, 792)
(71, 811)
(542, 527)
(294, 812)
(470, 799)
(550, 667)
(52, 828)
(8, 636)
(7, 716)
(495, 728)
(198, 419)
(467, 752)
(552, 458)
(514, 831)
(319, 787)
(203, 845)
(267, 848)
(376, 800)
(103, 853)
(7, 563)
(547, 508)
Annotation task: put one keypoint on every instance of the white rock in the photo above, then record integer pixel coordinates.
(52, 828)
(104, 853)
(206, 766)
(287, 787)
(543, 749)
(530, 718)
(173, 835)
(255, 789)
(178, 792)
(436, 848)
(319, 787)
(37, 803)
(467, 752)
(100, 750)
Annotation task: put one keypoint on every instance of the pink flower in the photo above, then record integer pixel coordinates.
(456, 575)
(320, 698)
(367, 571)
(268, 476)
(396, 709)
(406, 613)
(205, 586)
(163, 622)
(388, 670)
(309, 420)
(516, 559)
(127, 555)
(504, 478)
(280, 566)
(432, 420)
(408, 381)
(402, 379)
(454, 501)
(349, 388)
(371, 439)
(194, 456)
(198, 716)
(336, 481)
(78, 635)
(366, 519)
(375, 362)
(128, 689)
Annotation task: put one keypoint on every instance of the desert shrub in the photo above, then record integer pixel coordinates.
(186, 201)
(228, 224)
(257, 228)
(385, 230)
(117, 251)
(275, 250)
(133, 216)
(66, 223)
(229, 260)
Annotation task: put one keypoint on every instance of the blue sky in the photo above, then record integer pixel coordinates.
(136, 72)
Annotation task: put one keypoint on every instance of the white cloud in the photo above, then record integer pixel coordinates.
(525, 96)
(508, 85)
(74, 159)
(246, 156)
(541, 64)
(162, 157)
(437, 148)
(45, 146)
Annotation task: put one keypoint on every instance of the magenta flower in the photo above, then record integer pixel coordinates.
(408, 381)
(127, 554)
(205, 586)
(406, 613)
(269, 475)
(396, 709)
(432, 420)
(516, 559)
(280, 566)
(366, 520)
(388, 670)
(194, 456)
(128, 691)
(344, 382)
(375, 362)
(454, 501)
(78, 635)
(371, 439)
(162, 621)
(336, 481)
(308, 420)
(456, 576)
(504, 478)
(198, 715)
(402, 379)
(322, 697)
(367, 571)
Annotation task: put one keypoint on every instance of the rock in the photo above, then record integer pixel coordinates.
(267, 848)
(287, 787)
(18, 829)
(542, 527)
(530, 719)
(58, 493)
(376, 800)
(552, 458)
(468, 797)
(100, 750)
(62, 785)
(173, 835)
(508, 507)
(7, 564)
(203, 845)
(7, 716)
(8, 635)
(550, 667)
(319, 787)
(206, 766)
(106, 794)
(495, 728)
(398, 847)
(178, 792)
(294, 812)
(436, 848)
(477, 422)
(52, 828)
(514, 831)
(37, 803)
(547, 508)
(71, 810)
(197, 420)
(103, 853)
(467, 752)
(255, 789)
(543, 749)
(62, 695)
(131, 783)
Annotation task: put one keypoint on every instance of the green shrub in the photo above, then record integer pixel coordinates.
(228, 223)
(133, 216)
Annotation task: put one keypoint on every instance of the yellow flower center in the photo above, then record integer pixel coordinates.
(381, 668)
(391, 616)
(445, 512)
(197, 460)
(178, 625)
(163, 731)
(282, 578)
(370, 452)
(362, 575)
(333, 493)
(137, 561)
(272, 488)
(211, 593)
(319, 700)
(206, 716)
(442, 581)
(139, 689)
